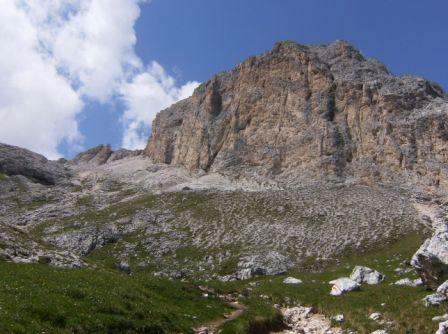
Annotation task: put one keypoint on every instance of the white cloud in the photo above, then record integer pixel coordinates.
(148, 93)
(60, 53)
(37, 106)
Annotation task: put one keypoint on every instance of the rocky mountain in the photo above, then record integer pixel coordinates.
(310, 112)
(308, 160)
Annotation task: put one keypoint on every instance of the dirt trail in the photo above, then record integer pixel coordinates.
(212, 326)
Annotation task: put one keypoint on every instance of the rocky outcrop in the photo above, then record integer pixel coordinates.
(101, 155)
(303, 320)
(95, 156)
(17, 246)
(271, 263)
(310, 112)
(123, 153)
(362, 274)
(19, 161)
(431, 260)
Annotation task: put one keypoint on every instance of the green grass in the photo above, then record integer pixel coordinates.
(38, 298)
(166, 303)
(402, 304)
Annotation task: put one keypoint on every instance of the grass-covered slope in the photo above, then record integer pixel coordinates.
(42, 299)
(402, 306)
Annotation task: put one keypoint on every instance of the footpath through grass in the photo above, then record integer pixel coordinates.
(38, 298)
(400, 305)
(42, 299)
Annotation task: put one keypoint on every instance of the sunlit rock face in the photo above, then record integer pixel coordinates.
(300, 113)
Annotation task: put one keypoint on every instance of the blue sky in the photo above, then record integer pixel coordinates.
(202, 37)
(195, 39)
(107, 90)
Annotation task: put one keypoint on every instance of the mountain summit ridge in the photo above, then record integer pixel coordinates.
(309, 112)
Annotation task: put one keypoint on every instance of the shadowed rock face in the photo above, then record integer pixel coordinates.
(18, 161)
(308, 113)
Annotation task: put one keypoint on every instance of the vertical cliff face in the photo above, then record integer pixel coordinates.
(309, 112)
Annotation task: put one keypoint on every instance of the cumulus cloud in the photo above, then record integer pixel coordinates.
(148, 93)
(63, 53)
(38, 107)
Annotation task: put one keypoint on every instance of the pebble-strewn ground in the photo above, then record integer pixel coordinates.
(114, 213)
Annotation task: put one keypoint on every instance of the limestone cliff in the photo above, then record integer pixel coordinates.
(310, 112)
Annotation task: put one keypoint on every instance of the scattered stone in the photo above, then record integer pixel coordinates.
(292, 280)
(376, 316)
(434, 299)
(408, 282)
(124, 267)
(343, 285)
(440, 318)
(380, 331)
(339, 318)
(443, 328)
(303, 320)
(362, 274)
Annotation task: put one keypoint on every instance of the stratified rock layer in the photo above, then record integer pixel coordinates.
(310, 113)
(19, 161)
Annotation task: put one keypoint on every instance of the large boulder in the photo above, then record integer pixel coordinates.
(431, 260)
(343, 285)
(362, 274)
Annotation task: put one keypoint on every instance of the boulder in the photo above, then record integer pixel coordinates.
(292, 280)
(302, 320)
(380, 331)
(124, 267)
(376, 316)
(408, 282)
(431, 260)
(362, 274)
(443, 289)
(434, 300)
(440, 318)
(343, 285)
(338, 318)
(443, 328)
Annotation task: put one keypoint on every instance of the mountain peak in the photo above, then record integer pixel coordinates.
(303, 113)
